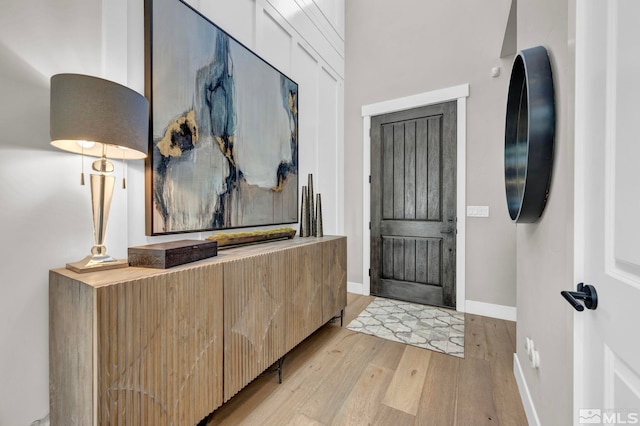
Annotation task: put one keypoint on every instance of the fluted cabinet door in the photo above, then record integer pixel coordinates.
(334, 278)
(136, 347)
(253, 318)
(303, 292)
(161, 348)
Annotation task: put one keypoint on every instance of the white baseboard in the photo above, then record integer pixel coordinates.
(490, 310)
(525, 396)
(357, 288)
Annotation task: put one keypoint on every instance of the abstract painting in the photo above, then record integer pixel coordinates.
(224, 128)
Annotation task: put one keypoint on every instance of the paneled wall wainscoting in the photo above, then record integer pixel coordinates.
(305, 41)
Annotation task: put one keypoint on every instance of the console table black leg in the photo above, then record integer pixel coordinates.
(276, 369)
(280, 362)
(339, 316)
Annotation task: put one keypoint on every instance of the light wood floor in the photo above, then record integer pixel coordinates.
(340, 377)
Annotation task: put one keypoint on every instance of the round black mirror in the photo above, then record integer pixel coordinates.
(529, 135)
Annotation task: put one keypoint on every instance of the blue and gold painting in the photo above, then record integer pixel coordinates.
(224, 129)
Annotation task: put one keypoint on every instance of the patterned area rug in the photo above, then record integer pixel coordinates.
(429, 327)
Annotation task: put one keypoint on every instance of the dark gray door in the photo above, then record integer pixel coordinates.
(413, 205)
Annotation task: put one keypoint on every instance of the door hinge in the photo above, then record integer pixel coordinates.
(369, 178)
(369, 225)
(369, 271)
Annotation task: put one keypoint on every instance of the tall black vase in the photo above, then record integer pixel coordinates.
(304, 214)
(319, 231)
(312, 218)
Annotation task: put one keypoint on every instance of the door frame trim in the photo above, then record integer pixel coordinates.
(455, 93)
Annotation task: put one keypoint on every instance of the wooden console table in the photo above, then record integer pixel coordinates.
(140, 346)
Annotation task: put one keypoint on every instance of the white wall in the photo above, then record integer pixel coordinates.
(545, 248)
(398, 49)
(45, 218)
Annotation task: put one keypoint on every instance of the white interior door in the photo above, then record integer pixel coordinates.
(607, 340)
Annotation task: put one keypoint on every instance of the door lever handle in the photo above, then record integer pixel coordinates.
(587, 293)
(448, 231)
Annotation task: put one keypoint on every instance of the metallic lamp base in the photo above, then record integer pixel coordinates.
(97, 263)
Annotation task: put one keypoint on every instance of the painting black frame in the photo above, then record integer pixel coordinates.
(281, 197)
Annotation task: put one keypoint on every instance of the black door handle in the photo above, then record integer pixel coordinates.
(586, 292)
(448, 231)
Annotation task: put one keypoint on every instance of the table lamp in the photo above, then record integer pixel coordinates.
(99, 118)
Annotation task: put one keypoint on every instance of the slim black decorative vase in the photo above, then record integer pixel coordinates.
(319, 232)
(312, 220)
(304, 213)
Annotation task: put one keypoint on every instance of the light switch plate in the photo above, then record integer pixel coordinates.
(477, 211)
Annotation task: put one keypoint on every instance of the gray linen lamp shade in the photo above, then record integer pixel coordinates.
(96, 117)
(85, 108)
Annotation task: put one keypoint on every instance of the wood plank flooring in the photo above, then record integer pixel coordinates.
(341, 377)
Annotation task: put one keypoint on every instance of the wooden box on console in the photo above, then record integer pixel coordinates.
(174, 253)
